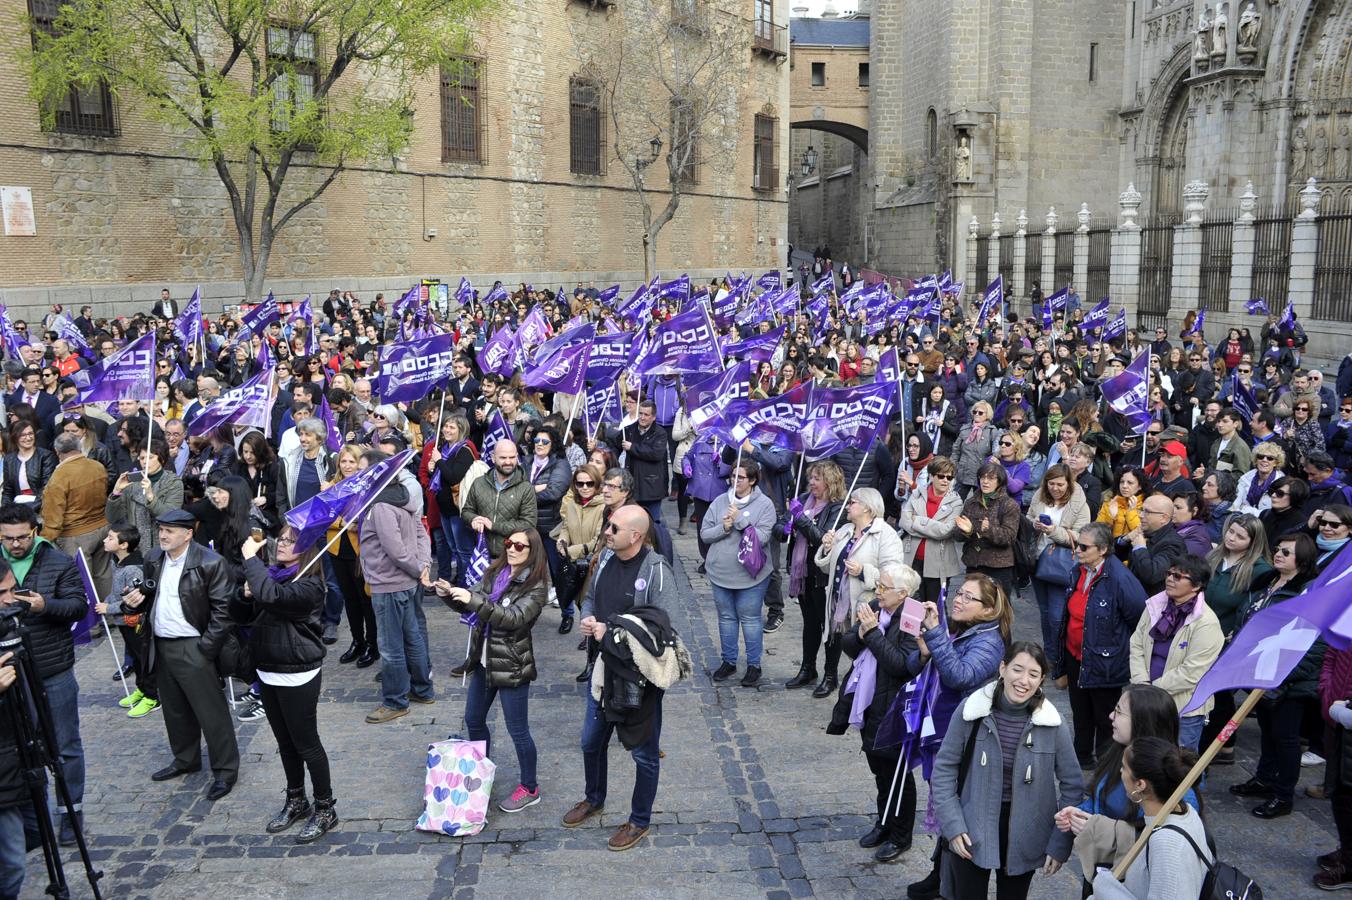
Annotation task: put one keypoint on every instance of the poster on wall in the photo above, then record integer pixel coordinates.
(16, 204)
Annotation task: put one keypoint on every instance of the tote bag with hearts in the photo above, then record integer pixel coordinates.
(459, 781)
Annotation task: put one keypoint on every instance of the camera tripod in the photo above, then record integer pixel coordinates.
(29, 719)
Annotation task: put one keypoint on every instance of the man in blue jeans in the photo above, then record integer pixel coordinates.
(49, 583)
(629, 575)
(395, 557)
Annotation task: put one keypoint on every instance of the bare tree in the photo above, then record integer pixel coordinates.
(669, 73)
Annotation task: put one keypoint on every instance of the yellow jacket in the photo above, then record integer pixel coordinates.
(1128, 516)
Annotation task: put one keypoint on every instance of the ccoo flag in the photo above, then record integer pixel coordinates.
(1097, 317)
(498, 352)
(346, 500)
(1256, 306)
(1117, 327)
(1129, 392)
(410, 369)
(81, 632)
(564, 371)
(683, 343)
(129, 374)
(188, 325)
(257, 320)
(993, 299)
(248, 404)
(845, 417)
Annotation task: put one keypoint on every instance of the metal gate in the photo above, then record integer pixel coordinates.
(1157, 271)
(1032, 264)
(1007, 264)
(1272, 259)
(1333, 269)
(983, 256)
(1100, 263)
(1215, 275)
(1065, 260)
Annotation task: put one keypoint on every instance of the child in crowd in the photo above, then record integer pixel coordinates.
(123, 542)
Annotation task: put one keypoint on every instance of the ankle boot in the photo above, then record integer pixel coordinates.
(296, 808)
(804, 677)
(369, 656)
(322, 821)
(826, 687)
(352, 652)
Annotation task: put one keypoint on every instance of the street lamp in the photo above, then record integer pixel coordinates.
(656, 144)
(809, 161)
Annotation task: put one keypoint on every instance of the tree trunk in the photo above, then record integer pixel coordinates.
(255, 276)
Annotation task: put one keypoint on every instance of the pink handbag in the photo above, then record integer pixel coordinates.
(459, 782)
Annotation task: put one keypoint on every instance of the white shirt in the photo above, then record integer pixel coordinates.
(288, 679)
(167, 619)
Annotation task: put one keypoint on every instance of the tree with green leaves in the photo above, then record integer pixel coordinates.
(278, 97)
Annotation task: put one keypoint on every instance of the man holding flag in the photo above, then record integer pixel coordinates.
(49, 588)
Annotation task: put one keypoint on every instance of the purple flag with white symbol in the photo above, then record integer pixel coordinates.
(1289, 315)
(601, 404)
(770, 281)
(843, 417)
(992, 300)
(724, 305)
(1129, 393)
(411, 301)
(638, 305)
(677, 289)
(609, 355)
(1257, 306)
(498, 354)
(129, 374)
(575, 332)
(479, 561)
(188, 325)
(533, 330)
(248, 404)
(889, 369)
(14, 342)
(499, 292)
(82, 631)
(410, 369)
(302, 313)
(498, 429)
(715, 401)
(65, 330)
(683, 343)
(785, 302)
(823, 284)
(564, 371)
(1117, 327)
(1058, 300)
(758, 347)
(750, 553)
(1097, 317)
(774, 420)
(607, 297)
(1243, 400)
(347, 500)
(257, 320)
(464, 293)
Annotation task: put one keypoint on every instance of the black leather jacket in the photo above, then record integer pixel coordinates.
(511, 655)
(205, 589)
(40, 467)
(284, 619)
(54, 576)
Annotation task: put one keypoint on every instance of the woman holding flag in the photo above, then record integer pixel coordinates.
(345, 561)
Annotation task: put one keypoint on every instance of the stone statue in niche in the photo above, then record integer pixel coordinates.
(1299, 149)
(962, 160)
(1319, 153)
(1250, 24)
(1342, 153)
(1219, 27)
(1201, 45)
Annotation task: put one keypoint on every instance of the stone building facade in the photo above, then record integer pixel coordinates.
(119, 216)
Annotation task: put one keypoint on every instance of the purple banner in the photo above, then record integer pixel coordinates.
(564, 371)
(775, 420)
(1129, 392)
(717, 400)
(410, 369)
(683, 343)
(248, 404)
(347, 500)
(575, 332)
(993, 299)
(498, 355)
(129, 374)
(758, 347)
(188, 325)
(609, 355)
(847, 417)
(602, 404)
(257, 320)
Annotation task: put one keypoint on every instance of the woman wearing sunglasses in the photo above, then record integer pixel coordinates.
(1286, 514)
(501, 660)
(577, 537)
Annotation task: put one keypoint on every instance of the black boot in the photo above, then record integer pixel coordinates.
(826, 687)
(322, 821)
(352, 652)
(927, 888)
(296, 808)
(804, 677)
(369, 656)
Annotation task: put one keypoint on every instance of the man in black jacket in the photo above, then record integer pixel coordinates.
(14, 796)
(49, 582)
(189, 623)
(1156, 544)
(464, 387)
(645, 447)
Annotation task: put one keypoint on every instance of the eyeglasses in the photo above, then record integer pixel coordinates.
(1284, 551)
(1006, 443)
(1082, 547)
(377, 416)
(965, 597)
(1174, 573)
(18, 538)
(1331, 523)
(940, 478)
(1265, 456)
(1302, 409)
(285, 541)
(612, 528)
(1155, 433)
(1245, 371)
(1016, 421)
(1282, 492)
(978, 412)
(587, 483)
(607, 486)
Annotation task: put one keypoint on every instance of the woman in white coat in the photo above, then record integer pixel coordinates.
(928, 525)
(852, 556)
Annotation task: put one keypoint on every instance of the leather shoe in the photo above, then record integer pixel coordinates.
(826, 687)
(369, 657)
(565, 624)
(1273, 809)
(1253, 788)
(890, 851)
(172, 771)
(804, 677)
(219, 788)
(352, 652)
(584, 676)
(874, 838)
(724, 672)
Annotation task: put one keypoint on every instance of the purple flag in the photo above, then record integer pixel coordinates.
(602, 404)
(723, 308)
(847, 417)
(498, 353)
(770, 281)
(257, 320)
(1256, 306)
(188, 325)
(533, 330)
(1197, 325)
(785, 302)
(717, 400)
(129, 374)
(750, 553)
(498, 292)
(1243, 399)
(14, 341)
(607, 297)
(1129, 392)
(334, 440)
(677, 289)
(608, 355)
(638, 305)
(1289, 315)
(1097, 317)
(464, 293)
(1117, 327)
(302, 313)
(411, 301)
(758, 347)
(1057, 301)
(248, 404)
(775, 420)
(683, 343)
(410, 369)
(577, 331)
(823, 284)
(1275, 638)
(993, 299)
(564, 371)
(479, 561)
(347, 500)
(65, 330)
(82, 631)
(889, 369)
(498, 429)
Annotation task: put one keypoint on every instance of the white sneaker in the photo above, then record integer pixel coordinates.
(1311, 759)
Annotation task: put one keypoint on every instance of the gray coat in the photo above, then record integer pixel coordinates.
(969, 458)
(721, 564)
(943, 552)
(1046, 779)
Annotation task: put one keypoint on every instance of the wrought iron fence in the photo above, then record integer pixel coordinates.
(1333, 269)
(983, 254)
(1032, 264)
(1100, 263)
(1215, 274)
(1156, 272)
(1064, 269)
(1007, 263)
(1272, 258)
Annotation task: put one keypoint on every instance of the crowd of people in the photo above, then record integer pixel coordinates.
(1004, 486)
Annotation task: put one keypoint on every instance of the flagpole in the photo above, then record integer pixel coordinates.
(857, 472)
(568, 429)
(104, 621)
(347, 523)
(1198, 770)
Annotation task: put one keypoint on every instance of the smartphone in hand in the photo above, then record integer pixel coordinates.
(912, 614)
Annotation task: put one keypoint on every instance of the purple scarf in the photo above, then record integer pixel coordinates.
(1173, 616)
(1258, 488)
(798, 559)
(283, 573)
(500, 583)
(863, 678)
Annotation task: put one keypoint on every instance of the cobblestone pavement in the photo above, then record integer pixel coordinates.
(756, 800)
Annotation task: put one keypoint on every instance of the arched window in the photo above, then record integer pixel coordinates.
(932, 132)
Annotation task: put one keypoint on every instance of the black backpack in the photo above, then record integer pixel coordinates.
(1223, 881)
